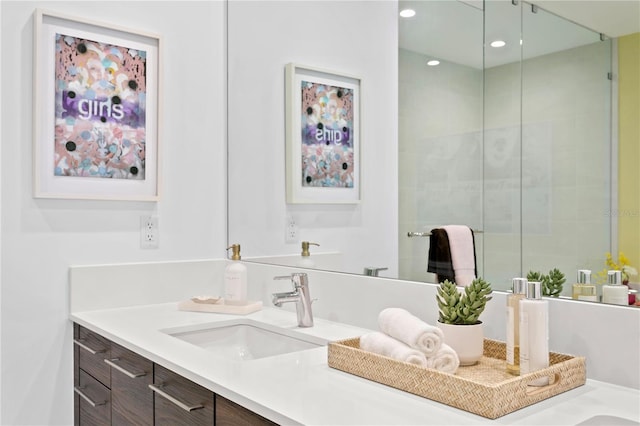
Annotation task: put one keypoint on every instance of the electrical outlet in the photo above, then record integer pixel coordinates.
(291, 230)
(149, 235)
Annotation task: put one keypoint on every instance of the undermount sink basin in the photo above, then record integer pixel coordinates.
(245, 340)
(608, 420)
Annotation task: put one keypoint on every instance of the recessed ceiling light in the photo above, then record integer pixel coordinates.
(433, 62)
(407, 13)
(498, 43)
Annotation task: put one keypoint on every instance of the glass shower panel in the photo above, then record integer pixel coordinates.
(502, 143)
(566, 139)
(440, 127)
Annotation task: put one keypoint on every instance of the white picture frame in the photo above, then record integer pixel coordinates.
(96, 126)
(322, 162)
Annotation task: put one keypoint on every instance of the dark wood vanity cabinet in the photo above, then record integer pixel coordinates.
(111, 383)
(228, 413)
(92, 378)
(179, 401)
(115, 386)
(131, 398)
(94, 405)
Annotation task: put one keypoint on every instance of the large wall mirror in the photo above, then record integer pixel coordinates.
(516, 142)
(510, 133)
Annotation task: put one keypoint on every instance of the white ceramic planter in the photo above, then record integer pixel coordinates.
(466, 340)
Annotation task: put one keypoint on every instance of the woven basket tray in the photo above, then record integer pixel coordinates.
(485, 389)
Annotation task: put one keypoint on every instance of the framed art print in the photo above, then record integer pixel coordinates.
(96, 103)
(323, 136)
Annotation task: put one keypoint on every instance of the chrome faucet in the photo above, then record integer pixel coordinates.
(300, 295)
(372, 271)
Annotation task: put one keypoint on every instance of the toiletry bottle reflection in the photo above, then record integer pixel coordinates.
(534, 333)
(519, 287)
(583, 289)
(235, 279)
(305, 257)
(614, 292)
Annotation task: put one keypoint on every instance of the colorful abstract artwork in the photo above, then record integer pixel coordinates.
(327, 120)
(322, 136)
(100, 107)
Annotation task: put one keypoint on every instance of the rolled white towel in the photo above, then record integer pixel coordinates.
(445, 360)
(381, 344)
(402, 325)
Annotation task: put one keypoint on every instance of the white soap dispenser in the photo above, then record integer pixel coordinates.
(305, 257)
(613, 292)
(235, 279)
(534, 333)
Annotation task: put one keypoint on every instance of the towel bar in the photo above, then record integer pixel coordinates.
(428, 234)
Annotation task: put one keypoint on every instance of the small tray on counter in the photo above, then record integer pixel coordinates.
(485, 388)
(219, 307)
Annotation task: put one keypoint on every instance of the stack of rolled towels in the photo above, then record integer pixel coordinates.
(405, 337)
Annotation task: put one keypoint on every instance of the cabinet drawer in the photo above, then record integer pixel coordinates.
(93, 349)
(93, 400)
(131, 398)
(179, 401)
(229, 413)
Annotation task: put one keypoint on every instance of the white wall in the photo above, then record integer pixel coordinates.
(45, 237)
(357, 38)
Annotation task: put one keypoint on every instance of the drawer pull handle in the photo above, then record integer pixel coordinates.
(82, 344)
(186, 407)
(79, 389)
(133, 375)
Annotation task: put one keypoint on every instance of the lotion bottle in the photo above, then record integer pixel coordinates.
(534, 333)
(614, 292)
(583, 289)
(519, 287)
(305, 257)
(235, 279)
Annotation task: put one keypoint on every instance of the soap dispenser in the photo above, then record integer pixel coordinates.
(305, 257)
(235, 279)
(583, 289)
(614, 292)
(534, 333)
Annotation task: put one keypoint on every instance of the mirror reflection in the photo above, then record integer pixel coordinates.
(514, 141)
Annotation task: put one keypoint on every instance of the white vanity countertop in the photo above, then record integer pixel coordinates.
(300, 388)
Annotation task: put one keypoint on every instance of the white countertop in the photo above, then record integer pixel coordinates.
(300, 388)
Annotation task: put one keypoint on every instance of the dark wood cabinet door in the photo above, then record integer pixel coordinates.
(229, 413)
(131, 398)
(179, 401)
(92, 351)
(93, 401)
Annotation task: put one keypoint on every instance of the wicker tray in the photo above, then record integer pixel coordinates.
(485, 389)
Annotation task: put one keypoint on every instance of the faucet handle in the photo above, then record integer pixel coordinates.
(298, 279)
(282, 277)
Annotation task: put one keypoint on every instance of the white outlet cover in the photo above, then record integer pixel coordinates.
(149, 233)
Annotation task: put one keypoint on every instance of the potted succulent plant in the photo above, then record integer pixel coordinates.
(458, 318)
